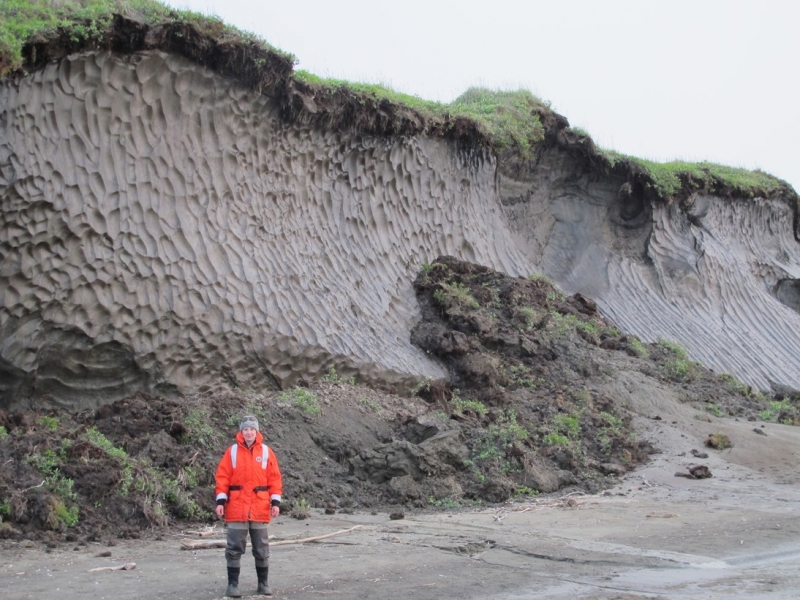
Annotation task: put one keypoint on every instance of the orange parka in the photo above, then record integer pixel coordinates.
(248, 481)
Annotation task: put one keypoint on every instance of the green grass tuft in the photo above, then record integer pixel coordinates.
(667, 179)
(510, 118)
(84, 21)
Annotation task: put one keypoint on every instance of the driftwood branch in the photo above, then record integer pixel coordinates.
(205, 544)
(202, 544)
(205, 532)
(125, 567)
(33, 487)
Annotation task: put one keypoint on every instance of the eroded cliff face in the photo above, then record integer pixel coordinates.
(716, 275)
(162, 229)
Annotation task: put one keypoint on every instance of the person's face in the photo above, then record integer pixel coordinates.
(249, 435)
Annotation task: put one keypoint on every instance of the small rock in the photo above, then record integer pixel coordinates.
(760, 431)
(396, 516)
(104, 554)
(718, 441)
(610, 468)
(696, 472)
(700, 472)
(698, 454)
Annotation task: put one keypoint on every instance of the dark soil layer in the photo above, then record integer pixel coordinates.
(524, 412)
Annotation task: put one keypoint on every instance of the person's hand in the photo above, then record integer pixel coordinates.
(276, 510)
(220, 510)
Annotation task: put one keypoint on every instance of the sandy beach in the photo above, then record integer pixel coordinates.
(655, 535)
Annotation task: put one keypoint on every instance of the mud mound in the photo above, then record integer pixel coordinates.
(531, 405)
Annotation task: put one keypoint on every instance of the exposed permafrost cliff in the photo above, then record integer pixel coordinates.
(718, 276)
(161, 228)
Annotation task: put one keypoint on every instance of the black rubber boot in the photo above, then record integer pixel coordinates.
(263, 588)
(233, 583)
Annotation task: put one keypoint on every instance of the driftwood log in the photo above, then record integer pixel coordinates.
(205, 544)
(125, 567)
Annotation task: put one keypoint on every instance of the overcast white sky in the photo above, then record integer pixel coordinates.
(715, 80)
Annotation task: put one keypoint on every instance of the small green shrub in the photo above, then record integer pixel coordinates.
(300, 509)
(303, 399)
(587, 327)
(49, 423)
(499, 437)
(125, 481)
(678, 369)
(733, 383)
(46, 462)
(462, 405)
(673, 348)
(568, 425)
(68, 516)
(522, 376)
(5, 509)
(373, 406)
(189, 476)
(447, 502)
(556, 439)
(3, 433)
(714, 410)
(333, 377)
(583, 397)
(199, 430)
(101, 441)
(529, 316)
(783, 409)
(639, 349)
(612, 422)
(456, 294)
(486, 450)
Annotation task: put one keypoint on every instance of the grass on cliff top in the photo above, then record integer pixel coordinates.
(22, 21)
(669, 178)
(508, 116)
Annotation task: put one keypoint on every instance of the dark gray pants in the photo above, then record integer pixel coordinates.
(237, 543)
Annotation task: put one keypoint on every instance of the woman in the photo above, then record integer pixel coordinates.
(248, 494)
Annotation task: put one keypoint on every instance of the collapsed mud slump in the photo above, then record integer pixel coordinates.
(526, 409)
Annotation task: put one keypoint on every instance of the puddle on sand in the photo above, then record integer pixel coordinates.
(753, 576)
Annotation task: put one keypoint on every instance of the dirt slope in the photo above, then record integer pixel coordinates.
(537, 402)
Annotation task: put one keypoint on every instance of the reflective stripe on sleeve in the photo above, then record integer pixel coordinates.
(222, 496)
(276, 497)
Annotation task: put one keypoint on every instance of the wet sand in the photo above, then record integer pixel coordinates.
(655, 535)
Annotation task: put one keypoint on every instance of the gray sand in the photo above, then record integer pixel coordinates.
(736, 535)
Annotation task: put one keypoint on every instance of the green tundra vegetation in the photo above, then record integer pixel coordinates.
(510, 119)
